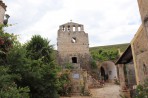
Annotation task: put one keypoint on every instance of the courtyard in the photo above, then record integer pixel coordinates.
(108, 91)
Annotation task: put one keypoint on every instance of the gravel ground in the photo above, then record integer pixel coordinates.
(108, 91)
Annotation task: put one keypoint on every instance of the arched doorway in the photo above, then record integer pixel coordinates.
(108, 71)
(102, 73)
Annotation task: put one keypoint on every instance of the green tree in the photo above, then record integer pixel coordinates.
(39, 48)
(65, 87)
(94, 65)
(28, 71)
(40, 77)
(104, 55)
(40, 72)
(6, 42)
(8, 87)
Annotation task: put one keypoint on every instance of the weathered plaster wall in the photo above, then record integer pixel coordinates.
(110, 70)
(140, 44)
(140, 53)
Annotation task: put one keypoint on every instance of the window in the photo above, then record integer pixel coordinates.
(79, 28)
(73, 40)
(68, 28)
(74, 28)
(144, 69)
(63, 28)
(74, 59)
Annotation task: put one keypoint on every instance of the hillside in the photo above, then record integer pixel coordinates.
(110, 52)
(122, 47)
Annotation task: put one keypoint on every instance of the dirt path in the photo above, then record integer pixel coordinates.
(108, 91)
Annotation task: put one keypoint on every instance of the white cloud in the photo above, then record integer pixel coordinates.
(106, 21)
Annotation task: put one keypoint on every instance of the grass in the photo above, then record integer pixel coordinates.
(122, 47)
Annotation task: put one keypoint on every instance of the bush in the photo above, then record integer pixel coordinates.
(142, 90)
(93, 64)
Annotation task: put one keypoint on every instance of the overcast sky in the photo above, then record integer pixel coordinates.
(106, 21)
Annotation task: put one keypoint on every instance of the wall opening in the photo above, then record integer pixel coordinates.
(74, 59)
(73, 40)
(79, 28)
(108, 71)
(63, 28)
(68, 28)
(144, 69)
(74, 28)
(102, 73)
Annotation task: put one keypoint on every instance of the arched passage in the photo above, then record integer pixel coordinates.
(102, 72)
(109, 69)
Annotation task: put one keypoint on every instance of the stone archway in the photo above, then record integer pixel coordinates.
(110, 71)
(102, 72)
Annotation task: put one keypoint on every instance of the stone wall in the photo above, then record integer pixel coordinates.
(78, 81)
(140, 53)
(121, 76)
(130, 75)
(140, 44)
(142, 66)
(65, 43)
(72, 43)
(2, 11)
(143, 8)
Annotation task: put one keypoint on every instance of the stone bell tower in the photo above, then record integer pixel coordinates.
(72, 44)
(2, 11)
(73, 48)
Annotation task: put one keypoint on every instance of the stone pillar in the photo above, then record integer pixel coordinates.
(66, 28)
(82, 28)
(76, 28)
(121, 76)
(85, 80)
(124, 91)
(71, 28)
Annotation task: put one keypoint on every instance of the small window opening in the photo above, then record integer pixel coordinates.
(144, 69)
(74, 59)
(79, 28)
(73, 40)
(63, 28)
(68, 28)
(74, 28)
